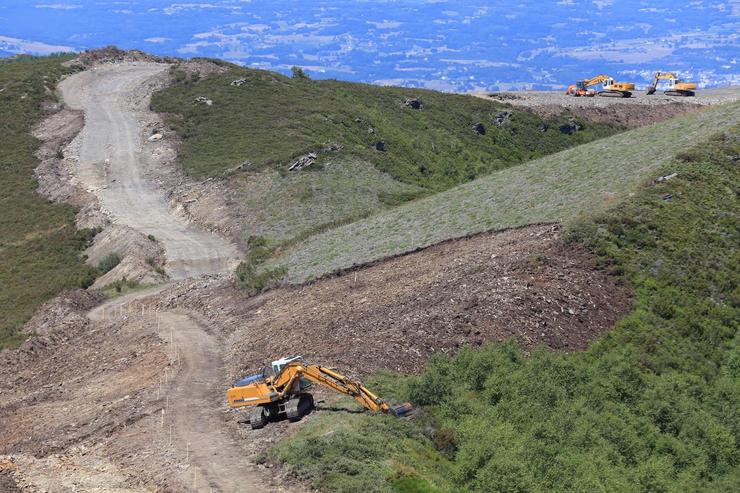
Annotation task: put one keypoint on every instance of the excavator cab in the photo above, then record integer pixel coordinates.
(278, 365)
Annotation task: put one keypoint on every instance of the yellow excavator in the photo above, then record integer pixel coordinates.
(281, 390)
(610, 87)
(676, 87)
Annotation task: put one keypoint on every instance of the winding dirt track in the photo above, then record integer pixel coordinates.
(112, 166)
(196, 402)
(112, 163)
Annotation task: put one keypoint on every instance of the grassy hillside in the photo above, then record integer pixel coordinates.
(39, 246)
(653, 406)
(553, 188)
(271, 119)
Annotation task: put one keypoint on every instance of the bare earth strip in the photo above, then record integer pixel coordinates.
(112, 167)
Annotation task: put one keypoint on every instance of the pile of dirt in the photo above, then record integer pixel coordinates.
(630, 116)
(637, 111)
(521, 284)
(113, 54)
(64, 311)
(142, 257)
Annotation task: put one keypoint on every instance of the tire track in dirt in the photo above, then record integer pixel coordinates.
(195, 403)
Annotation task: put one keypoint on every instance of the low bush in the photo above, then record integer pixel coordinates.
(109, 263)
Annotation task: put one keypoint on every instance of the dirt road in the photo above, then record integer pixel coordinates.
(196, 403)
(112, 166)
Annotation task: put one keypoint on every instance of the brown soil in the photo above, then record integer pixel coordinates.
(81, 402)
(521, 284)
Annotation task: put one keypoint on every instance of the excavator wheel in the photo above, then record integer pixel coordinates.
(257, 417)
(299, 406)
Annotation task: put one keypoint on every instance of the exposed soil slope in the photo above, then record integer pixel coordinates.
(521, 284)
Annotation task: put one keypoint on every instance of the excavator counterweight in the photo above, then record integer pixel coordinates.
(282, 390)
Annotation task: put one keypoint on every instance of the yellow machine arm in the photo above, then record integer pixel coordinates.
(595, 80)
(331, 379)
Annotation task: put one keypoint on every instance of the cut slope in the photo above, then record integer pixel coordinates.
(552, 189)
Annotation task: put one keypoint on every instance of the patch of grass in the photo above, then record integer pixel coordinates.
(296, 205)
(248, 275)
(556, 188)
(122, 287)
(652, 406)
(272, 119)
(39, 247)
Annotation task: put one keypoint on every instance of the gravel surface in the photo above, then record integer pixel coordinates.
(112, 166)
(534, 99)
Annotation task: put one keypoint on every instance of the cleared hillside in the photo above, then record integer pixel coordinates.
(555, 188)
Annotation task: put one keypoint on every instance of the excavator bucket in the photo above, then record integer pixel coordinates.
(402, 410)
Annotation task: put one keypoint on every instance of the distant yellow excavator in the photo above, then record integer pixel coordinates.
(281, 390)
(676, 87)
(610, 87)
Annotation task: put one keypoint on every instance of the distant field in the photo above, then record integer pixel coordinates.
(39, 246)
(559, 188)
(272, 119)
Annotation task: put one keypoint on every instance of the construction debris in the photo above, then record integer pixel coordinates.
(303, 162)
(666, 178)
(502, 118)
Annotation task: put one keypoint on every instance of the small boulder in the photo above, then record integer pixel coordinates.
(155, 137)
(238, 82)
(203, 100)
(570, 128)
(479, 129)
(413, 103)
(380, 146)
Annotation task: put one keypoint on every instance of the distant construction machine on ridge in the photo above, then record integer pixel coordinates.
(676, 87)
(610, 87)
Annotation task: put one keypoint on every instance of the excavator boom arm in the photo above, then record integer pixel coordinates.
(329, 378)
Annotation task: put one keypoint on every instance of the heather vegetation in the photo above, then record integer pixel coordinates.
(652, 406)
(40, 250)
(268, 120)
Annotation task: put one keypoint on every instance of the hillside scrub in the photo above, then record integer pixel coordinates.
(652, 406)
(269, 120)
(40, 250)
(555, 188)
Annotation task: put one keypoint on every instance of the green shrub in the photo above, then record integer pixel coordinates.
(109, 263)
